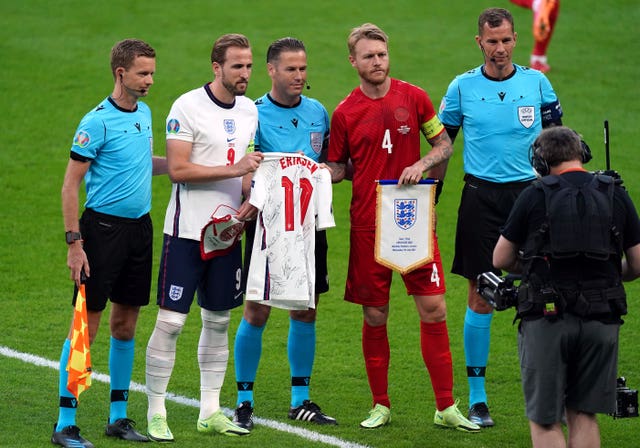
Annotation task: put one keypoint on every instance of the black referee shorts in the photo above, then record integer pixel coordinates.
(484, 208)
(120, 254)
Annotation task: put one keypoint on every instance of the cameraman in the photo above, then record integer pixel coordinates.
(570, 253)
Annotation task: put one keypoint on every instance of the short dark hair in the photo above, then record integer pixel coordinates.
(220, 46)
(126, 51)
(282, 45)
(494, 18)
(558, 144)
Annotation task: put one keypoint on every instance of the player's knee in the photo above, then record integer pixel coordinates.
(433, 310)
(480, 306)
(256, 314)
(171, 322)
(307, 316)
(216, 320)
(375, 316)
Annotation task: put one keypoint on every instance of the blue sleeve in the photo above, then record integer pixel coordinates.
(450, 113)
(89, 137)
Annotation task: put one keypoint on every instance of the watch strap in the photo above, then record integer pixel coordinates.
(71, 237)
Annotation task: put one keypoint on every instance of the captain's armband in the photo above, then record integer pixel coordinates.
(551, 114)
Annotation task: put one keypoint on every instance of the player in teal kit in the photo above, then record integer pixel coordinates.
(501, 107)
(288, 122)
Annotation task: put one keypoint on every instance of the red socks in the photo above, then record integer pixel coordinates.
(434, 342)
(375, 347)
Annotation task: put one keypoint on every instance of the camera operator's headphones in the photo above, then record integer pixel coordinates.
(539, 163)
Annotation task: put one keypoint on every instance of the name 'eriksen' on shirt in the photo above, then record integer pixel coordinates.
(286, 162)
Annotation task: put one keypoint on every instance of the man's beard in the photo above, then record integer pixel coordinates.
(377, 80)
(233, 88)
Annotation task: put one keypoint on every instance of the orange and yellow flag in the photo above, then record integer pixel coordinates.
(79, 365)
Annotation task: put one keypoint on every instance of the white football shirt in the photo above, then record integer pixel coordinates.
(293, 196)
(220, 135)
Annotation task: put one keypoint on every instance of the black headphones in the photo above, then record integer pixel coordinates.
(541, 166)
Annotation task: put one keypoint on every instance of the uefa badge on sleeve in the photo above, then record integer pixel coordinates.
(220, 235)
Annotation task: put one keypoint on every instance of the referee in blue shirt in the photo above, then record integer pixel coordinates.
(501, 108)
(288, 122)
(112, 242)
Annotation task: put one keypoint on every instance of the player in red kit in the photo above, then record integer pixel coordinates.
(376, 130)
(545, 14)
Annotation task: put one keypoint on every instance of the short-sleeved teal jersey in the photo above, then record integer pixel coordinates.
(303, 127)
(119, 145)
(500, 119)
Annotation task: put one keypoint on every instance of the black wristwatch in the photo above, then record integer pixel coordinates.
(72, 237)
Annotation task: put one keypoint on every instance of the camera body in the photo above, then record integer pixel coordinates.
(626, 400)
(499, 292)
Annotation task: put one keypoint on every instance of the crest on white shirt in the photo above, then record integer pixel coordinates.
(229, 125)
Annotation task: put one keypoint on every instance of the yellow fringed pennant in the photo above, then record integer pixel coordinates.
(405, 219)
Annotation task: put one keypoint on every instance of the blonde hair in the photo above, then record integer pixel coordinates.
(365, 31)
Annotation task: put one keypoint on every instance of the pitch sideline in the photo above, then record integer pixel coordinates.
(273, 424)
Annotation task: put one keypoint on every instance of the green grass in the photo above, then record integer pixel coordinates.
(55, 68)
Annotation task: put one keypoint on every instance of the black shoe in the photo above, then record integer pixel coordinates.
(243, 415)
(69, 437)
(123, 429)
(479, 414)
(310, 412)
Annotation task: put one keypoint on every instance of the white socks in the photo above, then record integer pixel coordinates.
(161, 356)
(536, 58)
(213, 354)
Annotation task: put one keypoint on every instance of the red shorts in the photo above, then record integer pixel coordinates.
(368, 282)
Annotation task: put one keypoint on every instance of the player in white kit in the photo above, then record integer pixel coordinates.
(209, 131)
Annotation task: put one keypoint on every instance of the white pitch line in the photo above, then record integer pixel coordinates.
(273, 424)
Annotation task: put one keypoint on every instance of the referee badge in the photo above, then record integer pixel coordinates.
(316, 141)
(527, 116)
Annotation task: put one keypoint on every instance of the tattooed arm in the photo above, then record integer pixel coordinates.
(434, 162)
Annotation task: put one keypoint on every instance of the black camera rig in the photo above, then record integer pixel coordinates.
(499, 292)
(626, 400)
(608, 171)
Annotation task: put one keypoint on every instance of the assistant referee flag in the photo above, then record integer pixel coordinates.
(79, 365)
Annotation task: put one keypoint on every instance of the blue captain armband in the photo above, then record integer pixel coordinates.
(551, 114)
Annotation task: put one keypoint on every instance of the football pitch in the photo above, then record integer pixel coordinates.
(55, 68)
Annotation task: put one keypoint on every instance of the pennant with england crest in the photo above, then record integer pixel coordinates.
(405, 220)
(79, 365)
